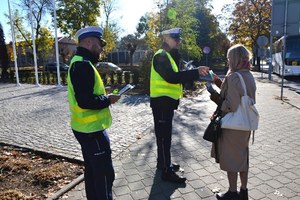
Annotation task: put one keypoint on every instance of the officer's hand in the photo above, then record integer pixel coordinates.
(203, 70)
(109, 90)
(113, 98)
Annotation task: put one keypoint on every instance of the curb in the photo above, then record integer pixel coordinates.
(67, 188)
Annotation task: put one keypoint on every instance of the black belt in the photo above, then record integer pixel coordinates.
(92, 135)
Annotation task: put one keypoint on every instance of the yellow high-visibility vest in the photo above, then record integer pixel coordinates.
(159, 87)
(87, 120)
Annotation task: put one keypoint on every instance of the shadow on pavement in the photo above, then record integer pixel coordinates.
(161, 190)
(135, 99)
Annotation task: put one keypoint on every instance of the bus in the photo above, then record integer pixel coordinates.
(291, 57)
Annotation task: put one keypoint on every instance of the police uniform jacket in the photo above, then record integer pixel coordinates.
(84, 73)
(163, 67)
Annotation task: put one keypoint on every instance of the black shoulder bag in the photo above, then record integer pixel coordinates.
(213, 130)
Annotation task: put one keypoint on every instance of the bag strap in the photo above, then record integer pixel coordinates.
(243, 83)
(218, 109)
(245, 93)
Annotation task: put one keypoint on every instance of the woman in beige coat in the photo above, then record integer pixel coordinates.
(233, 145)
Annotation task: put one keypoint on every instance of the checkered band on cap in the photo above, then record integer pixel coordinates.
(90, 31)
(174, 33)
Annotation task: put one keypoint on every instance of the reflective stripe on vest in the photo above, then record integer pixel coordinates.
(87, 120)
(159, 87)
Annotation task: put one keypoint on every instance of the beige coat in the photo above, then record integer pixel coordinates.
(232, 90)
(233, 144)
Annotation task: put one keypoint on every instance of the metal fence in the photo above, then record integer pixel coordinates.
(123, 57)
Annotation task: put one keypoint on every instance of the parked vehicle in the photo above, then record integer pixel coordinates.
(51, 67)
(108, 66)
(286, 53)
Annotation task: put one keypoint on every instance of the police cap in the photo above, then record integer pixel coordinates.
(90, 31)
(173, 33)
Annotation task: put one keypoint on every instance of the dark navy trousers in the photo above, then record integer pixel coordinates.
(99, 172)
(163, 132)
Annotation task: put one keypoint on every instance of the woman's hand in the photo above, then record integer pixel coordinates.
(217, 80)
(215, 97)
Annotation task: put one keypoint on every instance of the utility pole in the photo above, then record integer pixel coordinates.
(14, 45)
(33, 44)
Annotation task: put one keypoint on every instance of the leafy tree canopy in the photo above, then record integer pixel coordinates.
(210, 34)
(75, 14)
(142, 26)
(22, 25)
(250, 19)
(110, 38)
(185, 11)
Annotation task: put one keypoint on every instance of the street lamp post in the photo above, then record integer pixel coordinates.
(206, 51)
(14, 45)
(33, 44)
(56, 45)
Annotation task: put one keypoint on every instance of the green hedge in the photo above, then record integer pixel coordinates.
(50, 78)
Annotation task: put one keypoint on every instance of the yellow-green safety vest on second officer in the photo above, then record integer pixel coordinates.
(87, 120)
(159, 87)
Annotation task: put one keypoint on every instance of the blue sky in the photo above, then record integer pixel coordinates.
(3, 20)
(128, 13)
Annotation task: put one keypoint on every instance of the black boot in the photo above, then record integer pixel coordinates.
(228, 196)
(172, 177)
(175, 167)
(243, 194)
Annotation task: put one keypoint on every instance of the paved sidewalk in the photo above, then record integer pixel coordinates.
(274, 156)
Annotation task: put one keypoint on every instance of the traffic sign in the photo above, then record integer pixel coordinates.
(285, 13)
(262, 41)
(206, 50)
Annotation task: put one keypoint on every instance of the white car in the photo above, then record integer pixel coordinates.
(51, 67)
(108, 66)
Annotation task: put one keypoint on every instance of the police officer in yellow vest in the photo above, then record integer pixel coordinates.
(165, 91)
(90, 115)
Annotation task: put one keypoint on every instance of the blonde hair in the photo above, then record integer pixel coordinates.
(239, 57)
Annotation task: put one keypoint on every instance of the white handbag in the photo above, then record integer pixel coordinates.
(246, 117)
